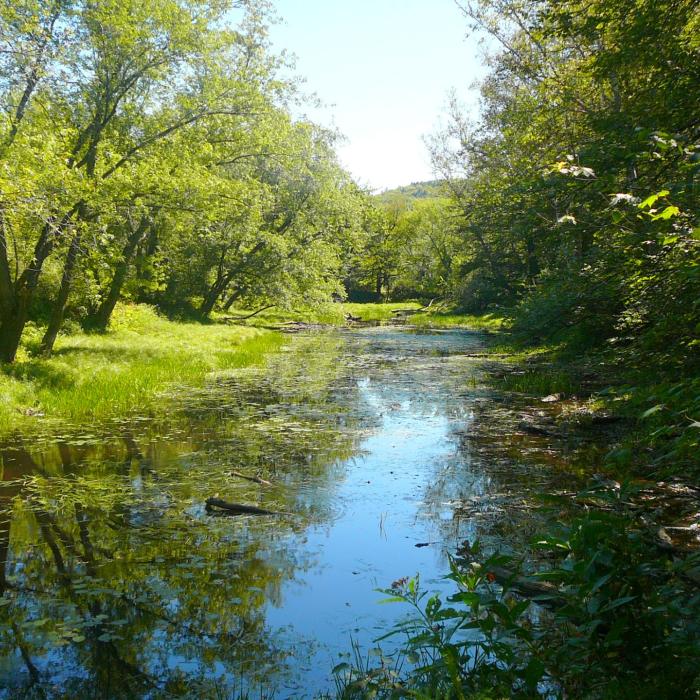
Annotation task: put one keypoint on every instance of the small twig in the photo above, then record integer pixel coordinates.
(256, 479)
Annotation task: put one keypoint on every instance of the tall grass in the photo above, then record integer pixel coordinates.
(540, 381)
(128, 369)
(446, 319)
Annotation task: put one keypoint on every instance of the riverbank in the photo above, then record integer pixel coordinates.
(340, 314)
(94, 377)
(655, 416)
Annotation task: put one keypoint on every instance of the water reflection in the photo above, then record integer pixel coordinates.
(118, 584)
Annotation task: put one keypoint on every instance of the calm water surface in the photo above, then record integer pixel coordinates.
(119, 584)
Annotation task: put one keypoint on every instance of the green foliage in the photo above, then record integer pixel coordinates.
(577, 193)
(148, 153)
(416, 190)
(667, 430)
(410, 249)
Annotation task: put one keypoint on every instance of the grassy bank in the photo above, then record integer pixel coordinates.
(99, 376)
(335, 314)
(446, 319)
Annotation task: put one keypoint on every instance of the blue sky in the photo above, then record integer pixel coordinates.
(384, 69)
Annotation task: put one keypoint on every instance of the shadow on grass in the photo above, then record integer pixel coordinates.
(115, 353)
(40, 372)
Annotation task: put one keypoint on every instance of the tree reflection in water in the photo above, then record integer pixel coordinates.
(117, 583)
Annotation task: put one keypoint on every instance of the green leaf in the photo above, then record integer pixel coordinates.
(618, 603)
(667, 213)
(651, 200)
(651, 411)
(393, 599)
(533, 672)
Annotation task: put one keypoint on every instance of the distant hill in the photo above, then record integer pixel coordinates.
(416, 190)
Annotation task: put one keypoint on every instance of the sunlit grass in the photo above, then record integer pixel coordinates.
(446, 319)
(539, 382)
(98, 376)
(129, 368)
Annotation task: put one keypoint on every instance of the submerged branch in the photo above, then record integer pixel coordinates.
(236, 508)
(256, 479)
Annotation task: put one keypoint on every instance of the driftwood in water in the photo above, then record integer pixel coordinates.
(236, 508)
(488, 355)
(528, 587)
(298, 326)
(256, 479)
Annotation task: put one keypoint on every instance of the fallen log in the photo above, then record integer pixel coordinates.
(246, 317)
(256, 479)
(532, 429)
(235, 508)
(488, 355)
(547, 593)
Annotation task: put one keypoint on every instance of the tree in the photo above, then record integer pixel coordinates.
(128, 78)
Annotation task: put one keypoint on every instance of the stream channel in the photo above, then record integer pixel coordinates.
(384, 452)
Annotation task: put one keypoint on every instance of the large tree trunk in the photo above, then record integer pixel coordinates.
(100, 320)
(143, 271)
(585, 244)
(224, 279)
(12, 327)
(533, 266)
(212, 296)
(16, 298)
(59, 306)
(232, 298)
(379, 284)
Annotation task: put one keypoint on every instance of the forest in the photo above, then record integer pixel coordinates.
(169, 214)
